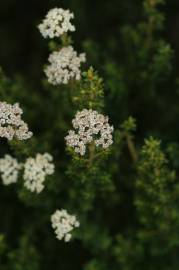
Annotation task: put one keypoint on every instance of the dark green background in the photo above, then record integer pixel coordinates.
(22, 49)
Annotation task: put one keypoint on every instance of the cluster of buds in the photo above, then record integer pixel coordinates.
(63, 223)
(90, 126)
(9, 169)
(64, 66)
(35, 171)
(11, 124)
(56, 23)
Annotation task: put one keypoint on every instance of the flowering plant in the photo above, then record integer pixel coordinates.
(88, 167)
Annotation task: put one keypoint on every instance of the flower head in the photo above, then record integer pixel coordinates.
(9, 169)
(35, 171)
(64, 66)
(11, 124)
(63, 223)
(90, 126)
(56, 23)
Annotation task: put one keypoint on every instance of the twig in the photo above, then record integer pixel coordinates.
(131, 148)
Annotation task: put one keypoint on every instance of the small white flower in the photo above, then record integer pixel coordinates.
(90, 126)
(11, 124)
(63, 223)
(64, 66)
(56, 23)
(35, 171)
(9, 169)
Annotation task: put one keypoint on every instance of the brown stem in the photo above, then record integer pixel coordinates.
(152, 3)
(64, 40)
(91, 154)
(131, 148)
(150, 29)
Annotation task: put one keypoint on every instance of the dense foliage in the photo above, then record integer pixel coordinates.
(126, 197)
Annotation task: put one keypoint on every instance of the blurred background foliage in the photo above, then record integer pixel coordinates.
(129, 210)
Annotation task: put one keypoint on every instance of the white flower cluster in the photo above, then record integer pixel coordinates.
(63, 223)
(90, 126)
(56, 23)
(11, 124)
(9, 169)
(35, 171)
(64, 65)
